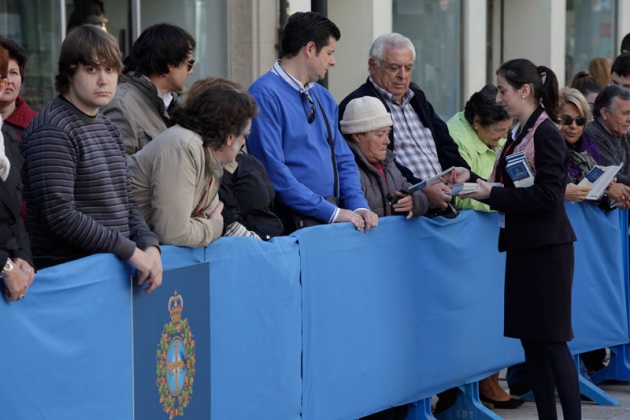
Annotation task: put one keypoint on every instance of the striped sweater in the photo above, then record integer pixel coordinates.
(77, 188)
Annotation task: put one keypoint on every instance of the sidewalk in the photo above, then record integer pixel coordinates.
(589, 410)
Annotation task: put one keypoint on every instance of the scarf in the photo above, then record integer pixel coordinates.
(582, 164)
(526, 146)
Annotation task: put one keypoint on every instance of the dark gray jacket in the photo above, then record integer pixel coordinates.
(612, 150)
(381, 196)
(137, 111)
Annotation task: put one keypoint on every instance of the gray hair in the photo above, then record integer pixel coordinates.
(605, 98)
(385, 42)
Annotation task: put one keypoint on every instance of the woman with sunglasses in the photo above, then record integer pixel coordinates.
(582, 150)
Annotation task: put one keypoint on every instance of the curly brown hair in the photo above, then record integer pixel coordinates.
(215, 110)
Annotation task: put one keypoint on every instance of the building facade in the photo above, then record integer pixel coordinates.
(459, 43)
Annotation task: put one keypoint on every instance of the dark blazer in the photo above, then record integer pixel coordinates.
(448, 153)
(535, 216)
(14, 241)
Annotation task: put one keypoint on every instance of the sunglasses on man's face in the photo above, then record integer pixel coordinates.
(566, 120)
(190, 64)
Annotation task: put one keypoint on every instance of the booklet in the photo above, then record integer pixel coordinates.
(598, 179)
(433, 180)
(519, 170)
(464, 188)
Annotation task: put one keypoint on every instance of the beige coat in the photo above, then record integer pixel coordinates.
(169, 182)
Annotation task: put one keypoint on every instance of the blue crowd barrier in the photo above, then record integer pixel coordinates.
(327, 323)
(66, 348)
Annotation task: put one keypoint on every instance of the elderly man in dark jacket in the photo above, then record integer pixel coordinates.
(419, 136)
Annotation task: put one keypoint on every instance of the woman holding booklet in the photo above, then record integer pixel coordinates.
(582, 150)
(365, 126)
(480, 132)
(536, 234)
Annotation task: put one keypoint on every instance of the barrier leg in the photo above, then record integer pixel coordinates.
(420, 410)
(619, 367)
(590, 390)
(468, 405)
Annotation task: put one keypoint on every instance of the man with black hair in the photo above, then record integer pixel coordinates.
(296, 134)
(625, 44)
(620, 71)
(160, 61)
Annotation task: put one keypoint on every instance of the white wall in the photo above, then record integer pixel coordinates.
(474, 39)
(535, 30)
(623, 22)
(360, 22)
(299, 6)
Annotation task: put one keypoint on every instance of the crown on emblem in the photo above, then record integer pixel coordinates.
(175, 307)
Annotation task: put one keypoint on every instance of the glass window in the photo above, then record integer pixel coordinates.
(36, 26)
(590, 33)
(111, 15)
(434, 28)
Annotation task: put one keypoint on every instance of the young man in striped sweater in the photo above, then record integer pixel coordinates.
(78, 194)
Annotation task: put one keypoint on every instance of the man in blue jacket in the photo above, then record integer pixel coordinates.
(419, 136)
(296, 133)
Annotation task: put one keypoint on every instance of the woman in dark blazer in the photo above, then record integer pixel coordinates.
(537, 236)
(16, 265)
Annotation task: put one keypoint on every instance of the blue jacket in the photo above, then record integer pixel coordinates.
(296, 154)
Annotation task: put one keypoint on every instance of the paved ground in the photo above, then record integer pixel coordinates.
(589, 409)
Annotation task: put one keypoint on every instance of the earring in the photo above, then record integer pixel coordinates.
(522, 96)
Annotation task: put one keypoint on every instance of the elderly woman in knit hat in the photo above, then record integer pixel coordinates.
(366, 125)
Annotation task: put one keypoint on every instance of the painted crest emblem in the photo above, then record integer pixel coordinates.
(175, 361)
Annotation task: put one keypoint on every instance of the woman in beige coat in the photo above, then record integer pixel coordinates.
(176, 177)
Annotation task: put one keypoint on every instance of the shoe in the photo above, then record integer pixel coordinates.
(510, 404)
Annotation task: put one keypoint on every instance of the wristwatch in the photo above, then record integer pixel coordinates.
(8, 267)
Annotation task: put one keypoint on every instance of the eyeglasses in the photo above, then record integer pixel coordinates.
(566, 120)
(191, 64)
(310, 114)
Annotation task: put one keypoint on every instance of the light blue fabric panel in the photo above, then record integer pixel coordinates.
(255, 318)
(175, 256)
(379, 319)
(400, 313)
(599, 289)
(66, 348)
(416, 307)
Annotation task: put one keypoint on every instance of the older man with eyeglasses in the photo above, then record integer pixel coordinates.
(419, 137)
(160, 61)
(296, 134)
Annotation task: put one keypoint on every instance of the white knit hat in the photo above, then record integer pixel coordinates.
(363, 115)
